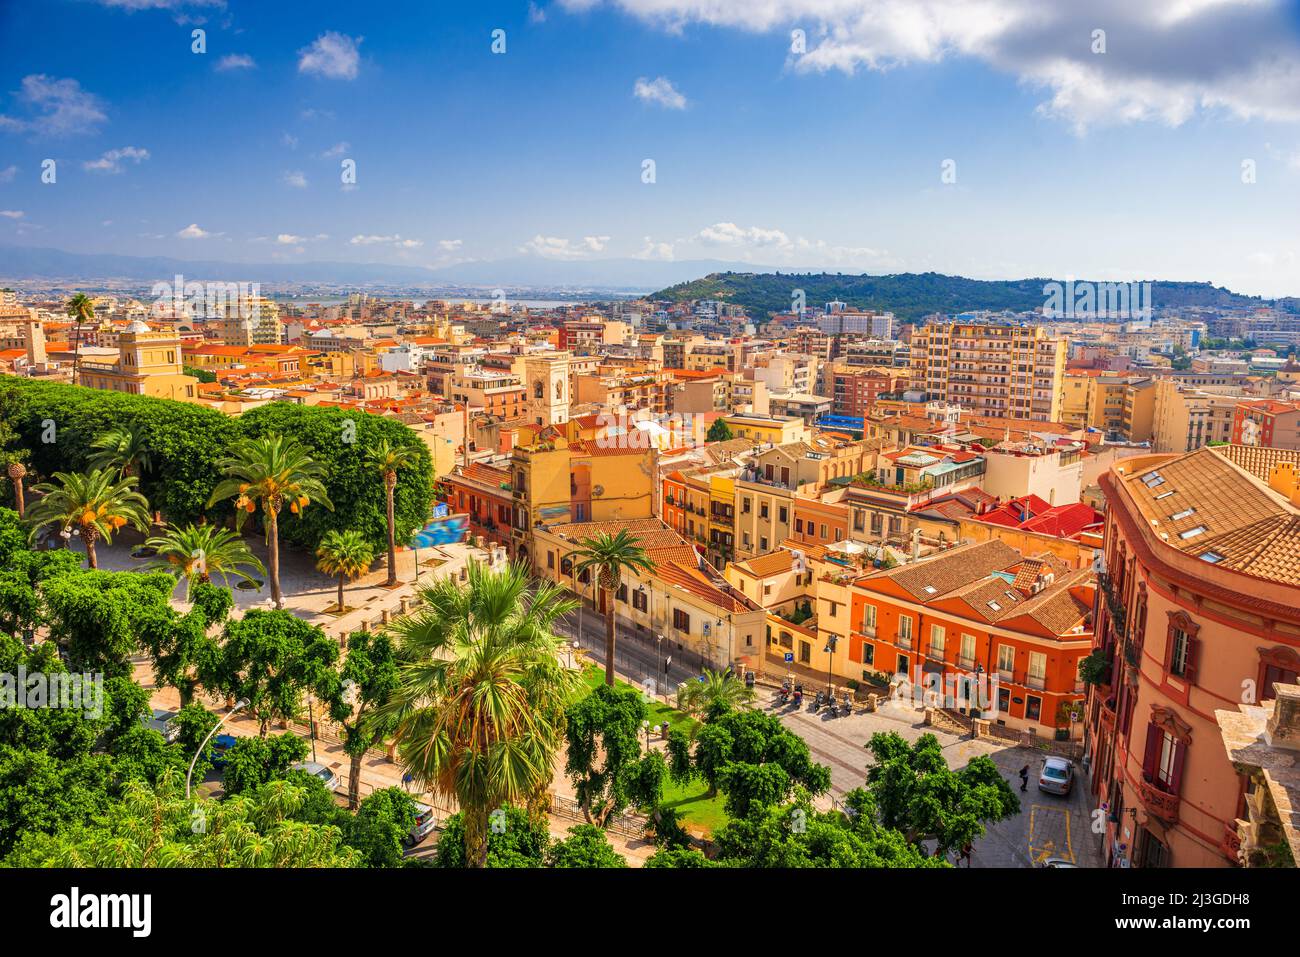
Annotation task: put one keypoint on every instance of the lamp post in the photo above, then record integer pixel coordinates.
(831, 641)
(645, 726)
(239, 706)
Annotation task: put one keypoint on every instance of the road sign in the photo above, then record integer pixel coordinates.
(789, 656)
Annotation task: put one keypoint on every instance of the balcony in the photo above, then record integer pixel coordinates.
(1107, 716)
(903, 641)
(1006, 674)
(966, 663)
(1037, 682)
(1160, 804)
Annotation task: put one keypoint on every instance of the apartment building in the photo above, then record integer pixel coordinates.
(982, 610)
(1004, 370)
(1269, 423)
(1186, 418)
(1199, 610)
(148, 363)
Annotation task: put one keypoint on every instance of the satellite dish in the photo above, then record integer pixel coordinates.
(598, 490)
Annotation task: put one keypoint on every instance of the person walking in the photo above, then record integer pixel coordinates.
(1024, 778)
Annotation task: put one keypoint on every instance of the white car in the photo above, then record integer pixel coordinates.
(425, 823)
(164, 722)
(1057, 776)
(325, 775)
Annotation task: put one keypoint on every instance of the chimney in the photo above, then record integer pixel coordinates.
(1283, 728)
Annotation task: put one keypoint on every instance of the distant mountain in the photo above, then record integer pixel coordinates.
(599, 275)
(913, 295)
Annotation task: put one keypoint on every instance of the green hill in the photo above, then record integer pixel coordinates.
(913, 295)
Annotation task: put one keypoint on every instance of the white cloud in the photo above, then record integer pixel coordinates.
(729, 234)
(660, 91)
(393, 240)
(554, 247)
(653, 250)
(58, 108)
(449, 245)
(12, 213)
(295, 178)
(192, 231)
(236, 61)
(535, 13)
(332, 55)
(338, 149)
(134, 5)
(8, 173)
(289, 140)
(1162, 62)
(111, 161)
(289, 239)
(312, 113)
(770, 247)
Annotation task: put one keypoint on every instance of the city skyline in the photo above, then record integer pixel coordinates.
(978, 141)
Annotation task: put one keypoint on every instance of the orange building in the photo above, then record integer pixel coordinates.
(1201, 612)
(819, 522)
(982, 610)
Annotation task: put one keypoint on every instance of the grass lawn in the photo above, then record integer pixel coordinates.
(698, 811)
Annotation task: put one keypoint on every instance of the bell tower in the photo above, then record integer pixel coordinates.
(547, 381)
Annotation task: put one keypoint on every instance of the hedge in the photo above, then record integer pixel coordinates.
(55, 423)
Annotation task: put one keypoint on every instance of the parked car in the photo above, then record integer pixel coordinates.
(162, 721)
(1057, 776)
(317, 770)
(1058, 862)
(220, 745)
(425, 823)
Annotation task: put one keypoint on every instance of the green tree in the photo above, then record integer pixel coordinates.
(103, 618)
(273, 659)
(913, 791)
(586, 846)
(344, 555)
(80, 309)
(159, 827)
(388, 459)
(515, 839)
(122, 449)
(94, 504)
(606, 725)
(609, 556)
(718, 690)
(197, 552)
(251, 762)
(479, 711)
(367, 681)
(273, 471)
(179, 645)
(719, 431)
(381, 823)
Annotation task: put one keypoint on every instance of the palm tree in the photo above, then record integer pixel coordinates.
(80, 309)
(95, 503)
(388, 458)
(345, 554)
(17, 472)
(275, 471)
(479, 710)
(610, 556)
(195, 552)
(719, 688)
(123, 448)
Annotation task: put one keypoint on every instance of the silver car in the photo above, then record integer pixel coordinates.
(164, 722)
(1057, 776)
(425, 823)
(325, 775)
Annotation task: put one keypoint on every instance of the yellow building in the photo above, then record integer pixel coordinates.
(148, 363)
(776, 429)
(1076, 389)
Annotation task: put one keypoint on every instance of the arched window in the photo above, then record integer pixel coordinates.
(537, 390)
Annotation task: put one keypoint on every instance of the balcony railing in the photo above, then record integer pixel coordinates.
(903, 641)
(1158, 802)
(966, 663)
(1037, 682)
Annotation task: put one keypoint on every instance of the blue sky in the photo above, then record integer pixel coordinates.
(1119, 165)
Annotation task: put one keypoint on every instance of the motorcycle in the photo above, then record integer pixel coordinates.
(784, 695)
(798, 696)
(831, 710)
(818, 701)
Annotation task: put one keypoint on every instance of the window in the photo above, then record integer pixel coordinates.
(744, 506)
(621, 594)
(967, 650)
(1033, 707)
(859, 521)
(1006, 658)
(550, 559)
(1185, 513)
(869, 618)
(824, 535)
(905, 627)
(868, 655)
(1178, 653)
(783, 515)
(762, 510)
(640, 600)
(798, 525)
(762, 544)
(1038, 668)
(1192, 532)
(937, 641)
(877, 523)
(681, 620)
(1182, 648)
(566, 566)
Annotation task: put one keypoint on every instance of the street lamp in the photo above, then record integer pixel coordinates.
(831, 641)
(645, 726)
(239, 705)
